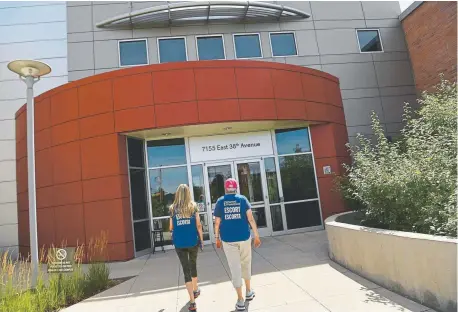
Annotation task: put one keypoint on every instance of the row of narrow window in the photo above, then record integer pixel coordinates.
(211, 47)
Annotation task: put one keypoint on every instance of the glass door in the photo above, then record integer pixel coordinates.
(251, 178)
(252, 184)
(216, 175)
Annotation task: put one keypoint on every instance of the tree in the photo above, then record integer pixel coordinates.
(410, 184)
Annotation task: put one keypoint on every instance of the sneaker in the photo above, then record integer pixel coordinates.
(196, 293)
(192, 306)
(250, 295)
(240, 306)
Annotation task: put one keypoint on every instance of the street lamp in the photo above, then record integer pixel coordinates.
(30, 72)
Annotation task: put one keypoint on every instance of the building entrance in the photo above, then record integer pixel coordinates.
(275, 171)
(251, 177)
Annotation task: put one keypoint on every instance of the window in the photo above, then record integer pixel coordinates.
(136, 152)
(198, 187)
(247, 46)
(210, 48)
(167, 170)
(297, 172)
(272, 182)
(138, 194)
(292, 141)
(163, 185)
(172, 50)
(133, 52)
(166, 153)
(283, 44)
(303, 214)
(369, 40)
(142, 235)
(298, 177)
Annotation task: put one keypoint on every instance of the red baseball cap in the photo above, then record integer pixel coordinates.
(230, 185)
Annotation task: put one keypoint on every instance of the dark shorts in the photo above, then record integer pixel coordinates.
(188, 260)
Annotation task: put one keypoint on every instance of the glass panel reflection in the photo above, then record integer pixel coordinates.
(133, 53)
(272, 182)
(369, 41)
(163, 184)
(304, 214)
(247, 46)
(142, 235)
(198, 187)
(166, 153)
(138, 194)
(298, 177)
(172, 50)
(276, 215)
(283, 44)
(210, 48)
(136, 150)
(259, 215)
(162, 225)
(216, 177)
(292, 141)
(250, 182)
(205, 228)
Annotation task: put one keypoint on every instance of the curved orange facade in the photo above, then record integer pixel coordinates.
(81, 161)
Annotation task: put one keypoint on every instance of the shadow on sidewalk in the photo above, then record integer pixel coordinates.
(161, 277)
(159, 272)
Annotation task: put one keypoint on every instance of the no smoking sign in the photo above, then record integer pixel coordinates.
(61, 260)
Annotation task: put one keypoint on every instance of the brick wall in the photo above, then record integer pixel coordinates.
(431, 39)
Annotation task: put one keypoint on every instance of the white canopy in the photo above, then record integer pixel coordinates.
(200, 12)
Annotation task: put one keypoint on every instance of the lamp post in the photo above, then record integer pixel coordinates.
(30, 72)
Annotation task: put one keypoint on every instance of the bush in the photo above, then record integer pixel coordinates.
(60, 289)
(409, 184)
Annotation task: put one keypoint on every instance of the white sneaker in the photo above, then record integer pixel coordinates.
(240, 306)
(250, 295)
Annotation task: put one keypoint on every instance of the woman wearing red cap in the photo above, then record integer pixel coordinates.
(233, 217)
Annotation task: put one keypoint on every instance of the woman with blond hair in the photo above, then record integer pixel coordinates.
(187, 235)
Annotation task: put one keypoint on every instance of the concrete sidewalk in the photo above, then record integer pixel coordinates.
(290, 274)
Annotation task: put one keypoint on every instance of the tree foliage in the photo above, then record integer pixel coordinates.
(409, 184)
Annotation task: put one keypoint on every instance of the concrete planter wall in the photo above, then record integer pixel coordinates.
(421, 267)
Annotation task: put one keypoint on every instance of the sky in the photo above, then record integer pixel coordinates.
(404, 4)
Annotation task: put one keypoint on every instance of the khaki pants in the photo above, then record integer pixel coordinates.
(238, 255)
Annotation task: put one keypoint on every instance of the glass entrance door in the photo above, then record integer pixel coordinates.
(252, 184)
(216, 175)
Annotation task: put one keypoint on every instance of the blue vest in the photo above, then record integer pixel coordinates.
(232, 208)
(185, 233)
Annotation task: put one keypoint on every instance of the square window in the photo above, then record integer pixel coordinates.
(369, 40)
(210, 48)
(283, 44)
(247, 46)
(133, 53)
(172, 50)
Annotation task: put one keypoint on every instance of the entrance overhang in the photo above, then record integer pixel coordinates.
(216, 129)
(201, 12)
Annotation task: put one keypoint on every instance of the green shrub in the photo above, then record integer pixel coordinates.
(409, 184)
(60, 289)
(97, 278)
